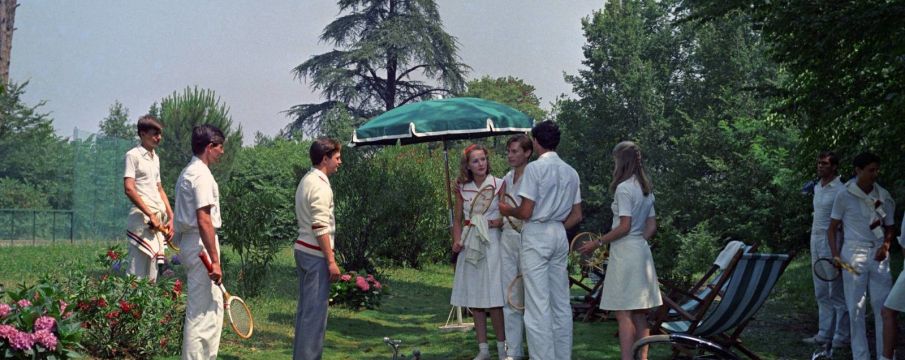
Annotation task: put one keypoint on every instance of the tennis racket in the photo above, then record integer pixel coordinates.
(167, 238)
(237, 310)
(515, 293)
(516, 223)
(827, 269)
(586, 261)
(480, 204)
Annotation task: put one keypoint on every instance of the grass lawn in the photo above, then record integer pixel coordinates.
(418, 304)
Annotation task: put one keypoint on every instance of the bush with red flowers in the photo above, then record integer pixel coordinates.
(356, 291)
(127, 317)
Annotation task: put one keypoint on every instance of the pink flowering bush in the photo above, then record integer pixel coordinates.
(38, 323)
(356, 291)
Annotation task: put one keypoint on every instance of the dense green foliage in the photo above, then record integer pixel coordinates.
(39, 323)
(259, 206)
(844, 74)
(386, 50)
(507, 90)
(32, 156)
(685, 93)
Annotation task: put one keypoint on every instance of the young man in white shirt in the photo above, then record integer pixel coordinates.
(551, 203)
(151, 210)
(314, 256)
(833, 317)
(865, 211)
(197, 220)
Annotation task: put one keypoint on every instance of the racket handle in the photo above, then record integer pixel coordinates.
(206, 260)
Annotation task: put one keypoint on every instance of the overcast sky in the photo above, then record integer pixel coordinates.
(81, 56)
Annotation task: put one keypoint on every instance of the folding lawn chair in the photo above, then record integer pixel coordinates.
(749, 284)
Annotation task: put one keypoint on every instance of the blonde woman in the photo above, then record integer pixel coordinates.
(631, 280)
(478, 283)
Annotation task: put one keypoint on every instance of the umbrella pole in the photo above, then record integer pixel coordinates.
(449, 205)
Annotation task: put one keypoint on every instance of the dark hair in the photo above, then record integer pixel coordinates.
(147, 123)
(863, 159)
(465, 175)
(323, 147)
(834, 159)
(547, 134)
(205, 134)
(523, 142)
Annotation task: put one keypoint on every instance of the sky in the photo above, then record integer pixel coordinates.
(81, 56)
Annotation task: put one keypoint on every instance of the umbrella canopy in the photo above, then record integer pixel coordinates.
(444, 119)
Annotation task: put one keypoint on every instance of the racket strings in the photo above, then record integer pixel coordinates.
(826, 270)
(516, 293)
(240, 318)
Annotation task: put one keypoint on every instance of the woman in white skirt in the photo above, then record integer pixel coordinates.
(478, 283)
(630, 286)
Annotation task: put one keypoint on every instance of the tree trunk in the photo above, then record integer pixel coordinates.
(389, 97)
(7, 20)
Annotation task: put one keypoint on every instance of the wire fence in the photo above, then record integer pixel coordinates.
(29, 226)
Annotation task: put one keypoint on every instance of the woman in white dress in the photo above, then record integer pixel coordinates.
(519, 150)
(630, 286)
(478, 283)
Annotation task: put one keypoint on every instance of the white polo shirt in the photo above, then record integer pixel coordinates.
(144, 166)
(195, 189)
(823, 204)
(856, 214)
(554, 187)
(629, 200)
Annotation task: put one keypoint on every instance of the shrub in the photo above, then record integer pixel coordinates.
(38, 323)
(260, 219)
(356, 291)
(124, 316)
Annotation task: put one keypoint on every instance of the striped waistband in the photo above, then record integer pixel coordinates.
(307, 245)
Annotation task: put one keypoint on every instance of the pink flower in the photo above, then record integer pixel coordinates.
(23, 303)
(371, 278)
(46, 339)
(45, 323)
(7, 331)
(63, 306)
(377, 285)
(4, 310)
(21, 341)
(345, 277)
(362, 283)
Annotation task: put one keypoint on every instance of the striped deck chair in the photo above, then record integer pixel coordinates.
(715, 278)
(750, 282)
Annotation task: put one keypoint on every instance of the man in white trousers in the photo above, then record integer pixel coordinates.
(866, 212)
(551, 203)
(832, 323)
(197, 219)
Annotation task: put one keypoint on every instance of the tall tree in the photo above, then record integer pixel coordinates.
(844, 74)
(384, 50)
(7, 26)
(180, 113)
(116, 124)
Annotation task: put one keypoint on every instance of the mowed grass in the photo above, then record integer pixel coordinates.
(417, 305)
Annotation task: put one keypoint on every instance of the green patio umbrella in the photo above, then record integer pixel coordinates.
(443, 120)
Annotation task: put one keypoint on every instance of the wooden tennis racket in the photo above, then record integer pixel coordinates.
(167, 237)
(515, 293)
(828, 269)
(514, 222)
(480, 204)
(237, 310)
(586, 261)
